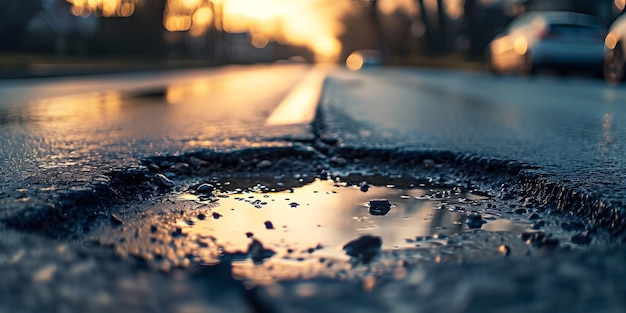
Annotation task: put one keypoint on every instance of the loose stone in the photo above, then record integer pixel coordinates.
(475, 221)
(205, 188)
(364, 248)
(264, 164)
(116, 219)
(379, 207)
(162, 181)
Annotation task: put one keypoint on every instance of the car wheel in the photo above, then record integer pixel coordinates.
(614, 66)
(528, 67)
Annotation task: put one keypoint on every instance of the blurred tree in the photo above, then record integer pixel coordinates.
(472, 28)
(14, 18)
(140, 34)
(429, 32)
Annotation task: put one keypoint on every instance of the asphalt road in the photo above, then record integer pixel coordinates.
(61, 133)
(571, 128)
(66, 136)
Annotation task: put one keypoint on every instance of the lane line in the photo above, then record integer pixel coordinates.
(299, 106)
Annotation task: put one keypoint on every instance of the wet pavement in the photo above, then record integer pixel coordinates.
(63, 133)
(225, 190)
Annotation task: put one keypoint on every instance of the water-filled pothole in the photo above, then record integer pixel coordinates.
(276, 228)
(323, 215)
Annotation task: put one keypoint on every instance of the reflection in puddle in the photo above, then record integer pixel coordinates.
(270, 229)
(320, 217)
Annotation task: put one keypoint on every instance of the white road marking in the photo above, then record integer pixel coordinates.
(299, 106)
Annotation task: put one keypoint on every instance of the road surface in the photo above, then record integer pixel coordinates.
(147, 142)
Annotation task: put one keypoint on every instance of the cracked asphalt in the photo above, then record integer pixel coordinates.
(114, 187)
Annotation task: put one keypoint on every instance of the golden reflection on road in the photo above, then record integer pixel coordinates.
(305, 224)
(324, 215)
(233, 105)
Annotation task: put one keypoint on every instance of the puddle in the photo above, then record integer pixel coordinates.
(320, 217)
(280, 228)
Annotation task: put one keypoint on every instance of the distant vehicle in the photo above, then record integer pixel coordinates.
(615, 51)
(548, 40)
(360, 59)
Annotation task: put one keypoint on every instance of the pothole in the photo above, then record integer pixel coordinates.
(280, 228)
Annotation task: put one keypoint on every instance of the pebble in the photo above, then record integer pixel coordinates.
(153, 167)
(205, 188)
(364, 248)
(269, 225)
(163, 181)
(264, 164)
(364, 186)
(379, 207)
(201, 216)
(475, 221)
(116, 219)
(153, 228)
(216, 215)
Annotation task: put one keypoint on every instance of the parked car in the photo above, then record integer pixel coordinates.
(549, 39)
(615, 51)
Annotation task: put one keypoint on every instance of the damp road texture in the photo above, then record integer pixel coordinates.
(232, 190)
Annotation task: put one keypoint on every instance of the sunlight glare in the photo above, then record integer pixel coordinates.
(314, 25)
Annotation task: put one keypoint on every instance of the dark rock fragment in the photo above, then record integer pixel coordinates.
(475, 221)
(269, 225)
(116, 219)
(379, 207)
(162, 181)
(364, 186)
(364, 248)
(205, 188)
(264, 164)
